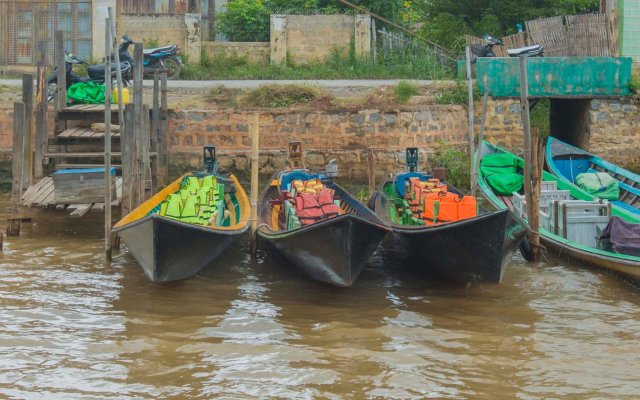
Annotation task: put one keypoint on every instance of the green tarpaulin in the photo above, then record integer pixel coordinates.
(499, 171)
(599, 184)
(85, 93)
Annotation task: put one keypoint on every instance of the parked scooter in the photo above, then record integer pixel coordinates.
(486, 50)
(95, 72)
(162, 59)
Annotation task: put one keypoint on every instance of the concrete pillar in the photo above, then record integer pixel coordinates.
(100, 12)
(278, 39)
(192, 37)
(362, 36)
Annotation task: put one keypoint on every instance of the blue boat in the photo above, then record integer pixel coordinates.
(567, 162)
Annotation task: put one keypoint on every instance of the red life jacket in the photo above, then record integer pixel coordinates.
(325, 198)
(308, 208)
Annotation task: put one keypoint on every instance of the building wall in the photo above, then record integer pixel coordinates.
(629, 19)
(254, 52)
(164, 28)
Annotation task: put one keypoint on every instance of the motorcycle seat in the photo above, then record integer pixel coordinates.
(168, 48)
(527, 50)
(98, 69)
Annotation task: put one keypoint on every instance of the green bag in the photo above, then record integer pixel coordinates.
(599, 184)
(505, 184)
(499, 171)
(86, 93)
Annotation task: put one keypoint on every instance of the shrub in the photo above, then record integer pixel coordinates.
(245, 21)
(404, 91)
(274, 95)
(457, 164)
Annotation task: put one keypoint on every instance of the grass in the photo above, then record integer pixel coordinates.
(337, 66)
(404, 91)
(274, 96)
(457, 95)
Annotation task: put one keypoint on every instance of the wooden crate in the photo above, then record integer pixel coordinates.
(580, 221)
(81, 186)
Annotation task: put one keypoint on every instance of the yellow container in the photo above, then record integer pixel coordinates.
(125, 95)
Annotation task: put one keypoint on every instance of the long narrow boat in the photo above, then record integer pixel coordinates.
(187, 225)
(476, 246)
(598, 256)
(318, 226)
(568, 162)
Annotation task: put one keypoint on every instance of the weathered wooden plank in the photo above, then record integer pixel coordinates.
(42, 134)
(162, 134)
(126, 144)
(97, 207)
(155, 125)
(81, 211)
(27, 144)
(61, 88)
(17, 162)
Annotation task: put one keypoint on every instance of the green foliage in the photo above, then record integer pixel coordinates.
(404, 91)
(457, 164)
(457, 95)
(540, 117)
(245, 21)
(150, 43)
(274, 95)
(339, 65)
(448, 20)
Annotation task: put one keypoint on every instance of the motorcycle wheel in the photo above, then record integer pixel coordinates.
(52, 88)
(171, 67)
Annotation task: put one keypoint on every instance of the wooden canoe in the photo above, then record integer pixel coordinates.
(169, 249)
(625, 266)
(468, 250)
(566, 162)
(332, 250)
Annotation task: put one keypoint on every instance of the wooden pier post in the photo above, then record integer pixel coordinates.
(475, 157)
(107, 142)
(138, 122)
(472, 136)
(155, 127)
(126, 144)
(116, 56)
(163, 142)
(61, 85)
(17, 164)
(27, 144)
(255, 161)
(372, 171)
(41, 137)
(533, 211)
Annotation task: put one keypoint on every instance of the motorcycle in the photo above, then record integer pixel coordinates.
(162, 59)
(486, 50)
(95, 74)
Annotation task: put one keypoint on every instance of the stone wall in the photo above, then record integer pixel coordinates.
(614, 131)
(341, 134)
(254, 52)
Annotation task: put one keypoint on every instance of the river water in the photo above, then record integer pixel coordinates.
(72, 327)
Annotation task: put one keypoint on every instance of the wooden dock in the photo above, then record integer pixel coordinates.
(41, 195)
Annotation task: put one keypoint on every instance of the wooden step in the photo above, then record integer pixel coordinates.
(74, 166)
(89, 155)
(84, 134)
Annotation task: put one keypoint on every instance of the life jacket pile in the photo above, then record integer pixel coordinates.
(199, 201)
(310, 202)
(430, 203)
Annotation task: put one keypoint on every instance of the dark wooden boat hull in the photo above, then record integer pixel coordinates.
(475, 249)
(333, 251)
(169, 250)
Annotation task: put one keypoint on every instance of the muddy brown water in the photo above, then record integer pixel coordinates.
(72, 327)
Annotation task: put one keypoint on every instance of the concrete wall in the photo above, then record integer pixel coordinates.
(164, 28)
(309, 38)
(254, 52)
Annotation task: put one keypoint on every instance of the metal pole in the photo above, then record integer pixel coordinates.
(472, 136)
(107, 142)
(116, 55)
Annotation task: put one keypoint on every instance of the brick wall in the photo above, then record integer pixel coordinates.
(614, 132)
(314, 37)
(255, 52)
